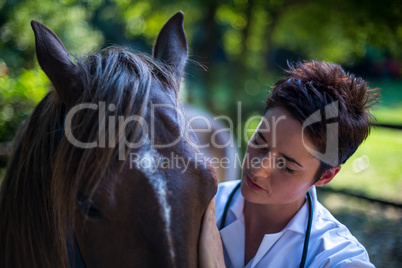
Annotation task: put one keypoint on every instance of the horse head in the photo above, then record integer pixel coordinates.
(106, 170)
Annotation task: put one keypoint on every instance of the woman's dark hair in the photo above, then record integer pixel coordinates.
(311, 86)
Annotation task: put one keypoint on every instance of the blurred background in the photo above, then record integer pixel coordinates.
(238, 49)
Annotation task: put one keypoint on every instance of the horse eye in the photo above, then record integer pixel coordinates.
(89, 209)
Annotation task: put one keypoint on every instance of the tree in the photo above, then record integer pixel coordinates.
(240, 42)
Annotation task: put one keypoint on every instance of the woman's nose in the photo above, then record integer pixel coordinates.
(261, 168)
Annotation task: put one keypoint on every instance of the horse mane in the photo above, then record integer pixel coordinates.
(47, 173)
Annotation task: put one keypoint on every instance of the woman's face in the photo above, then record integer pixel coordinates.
(277, 168)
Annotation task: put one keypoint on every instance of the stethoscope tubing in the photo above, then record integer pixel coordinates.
(309, 223)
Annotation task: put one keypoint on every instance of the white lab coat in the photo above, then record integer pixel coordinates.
(331, 243)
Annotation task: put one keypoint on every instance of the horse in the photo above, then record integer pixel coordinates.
(85, 186)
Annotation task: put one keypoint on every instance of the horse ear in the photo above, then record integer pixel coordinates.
(54, 60)
(171, 44)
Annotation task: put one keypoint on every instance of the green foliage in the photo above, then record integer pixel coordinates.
(22, 84)
(67, 18)
(18, 97)
(339, 31)
(375, 167)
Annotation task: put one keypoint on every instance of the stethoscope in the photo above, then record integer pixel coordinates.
(308, 231)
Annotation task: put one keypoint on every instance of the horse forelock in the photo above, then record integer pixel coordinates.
(119, 78)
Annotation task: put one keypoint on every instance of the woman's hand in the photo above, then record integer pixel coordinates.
(210, 251)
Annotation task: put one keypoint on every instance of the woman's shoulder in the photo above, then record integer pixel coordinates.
(334, 243)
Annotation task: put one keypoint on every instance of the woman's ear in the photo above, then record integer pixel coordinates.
(327, 176)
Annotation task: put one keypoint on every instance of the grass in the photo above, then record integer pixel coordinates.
(375, 168)
(390, 115)
(377, 227)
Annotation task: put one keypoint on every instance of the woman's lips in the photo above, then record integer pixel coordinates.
(252, 185)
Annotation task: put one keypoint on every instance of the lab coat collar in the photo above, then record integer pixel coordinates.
(237, 205)
(233, 235)
(298, 223)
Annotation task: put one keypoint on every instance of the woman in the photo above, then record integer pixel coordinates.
(315, 119)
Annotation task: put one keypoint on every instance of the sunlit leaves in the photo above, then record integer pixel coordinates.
(228, 16)
(236, 39)
(70, 22)
(30, 86)
(232, 42)
(338, 32)
(18, 96)
(135, 22)
(23, 84)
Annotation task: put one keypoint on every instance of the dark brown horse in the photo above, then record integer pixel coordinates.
(102, 168)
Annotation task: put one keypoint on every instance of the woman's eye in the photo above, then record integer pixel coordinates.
(283, 166)
(263, 147)
(289, 170)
